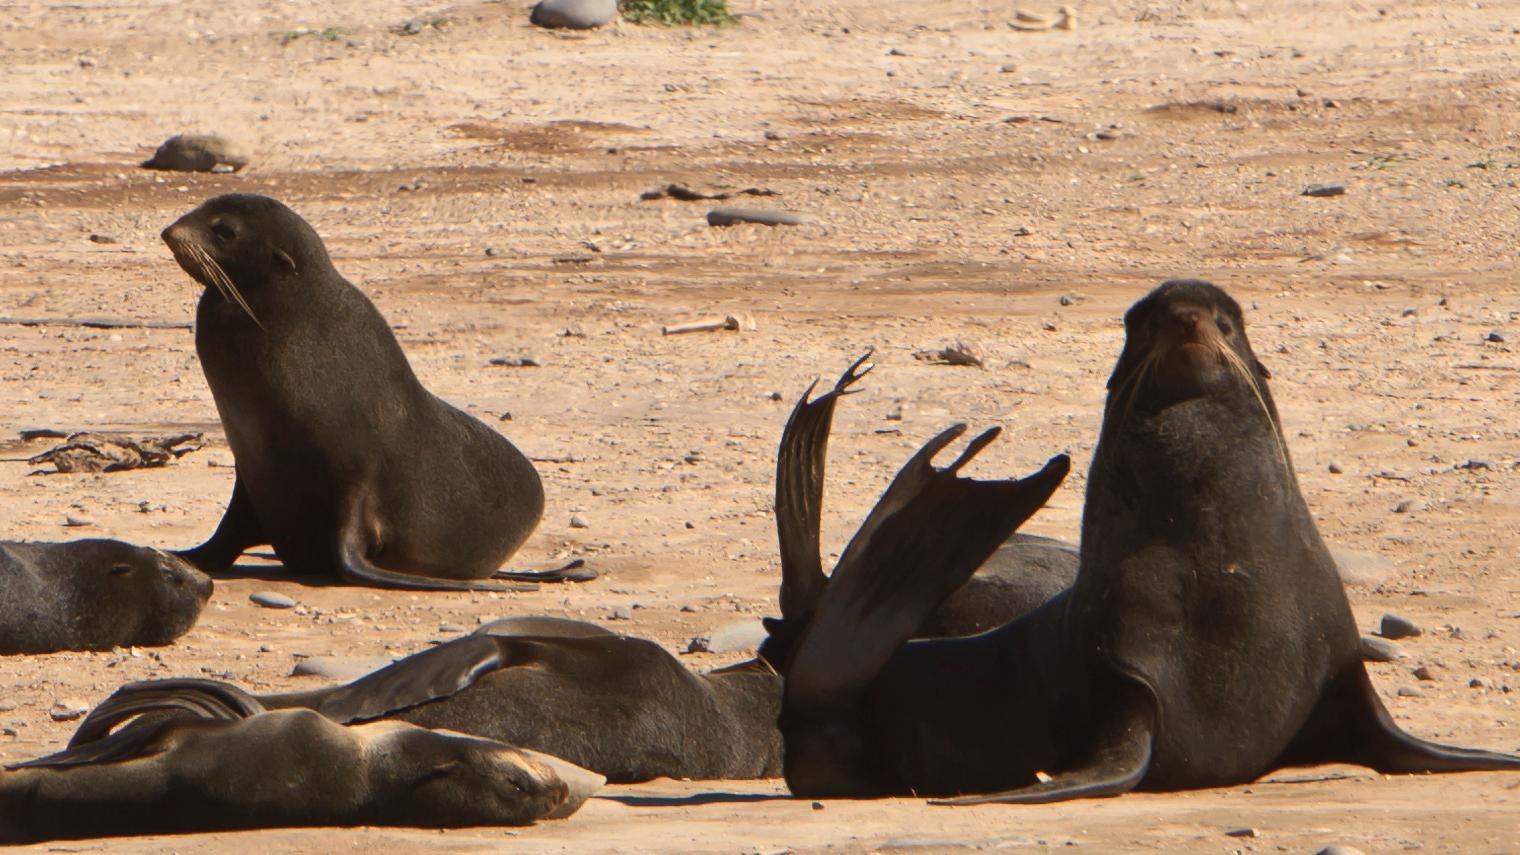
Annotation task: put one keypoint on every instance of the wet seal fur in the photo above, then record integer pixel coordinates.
(1206, 642)
(94, 595)
(345, 463)
(230, 768)
(621, 706)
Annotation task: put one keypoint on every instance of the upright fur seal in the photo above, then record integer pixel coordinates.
(622, 706)
(94, 595)
(232, 769)
(345, 464)
(1206, 642)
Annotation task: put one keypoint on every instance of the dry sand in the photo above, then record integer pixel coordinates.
(480, 180)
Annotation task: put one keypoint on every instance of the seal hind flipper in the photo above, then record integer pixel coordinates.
(1117, 763)
(181, 697)
(574, 570)
(238, 530)
(800, 464)
(354, 565)
(927, 534)
(1351, 725)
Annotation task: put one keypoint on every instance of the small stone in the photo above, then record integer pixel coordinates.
(7, 705)
(1424, 672)
(1409, 692)
(515, 361)
(762, 216)
(1240, 832)
(1337, 849)
(339, 667)
(102, 239)
(271, 600)
(1475, 465)
(817, 805)
(67, 709)
(72, 521)
(1396, 626)
(1007, 68)
(620, 613)
(1322, 190)
(1494, 336)
(1403, 507)
(450, 627)
(1335, 469)
(1476, 683)
(1376, 649)
(578, 521)
(573, 14)
(1066, 300)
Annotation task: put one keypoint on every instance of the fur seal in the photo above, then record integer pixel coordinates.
(94, 595)
(622, 706)
(227, 769)
(345, 463)
(1206, 642)
(197, 153)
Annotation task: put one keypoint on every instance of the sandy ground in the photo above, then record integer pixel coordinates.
(480, 180)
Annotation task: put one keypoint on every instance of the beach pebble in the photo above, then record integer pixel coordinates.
(1395, 626)
(573, 14)
(271, 600)
(67, 709)
(339, 667)
(1376, 649)
(763, 216)
(1324, 190)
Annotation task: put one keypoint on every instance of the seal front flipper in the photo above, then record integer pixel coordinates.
(238, 530)
(438, 672)
(1351, 725)
(1120, 757)
(927, 534)
(179, 697)
(354, 565)
(800, 463)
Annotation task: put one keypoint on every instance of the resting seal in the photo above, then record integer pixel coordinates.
(229, 769)
(94, 595)
(1206, 641)
(624, 707)
(345, 464)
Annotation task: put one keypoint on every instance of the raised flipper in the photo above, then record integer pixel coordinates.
(1120, 757)
(1351, 725)
(426, 676)
(573, 571)
(139, 739)
(354, 565)
(238, 530)
(927, 534)
(180, 697)
(800, 463)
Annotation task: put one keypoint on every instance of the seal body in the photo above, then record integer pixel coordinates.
(1206, 641)
(94, 595)
(345, 463)
(270, 770)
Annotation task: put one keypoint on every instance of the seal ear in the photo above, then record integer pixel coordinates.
(1262, 370)
(283, 261)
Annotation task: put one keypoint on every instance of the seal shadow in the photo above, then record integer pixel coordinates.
(697, 799)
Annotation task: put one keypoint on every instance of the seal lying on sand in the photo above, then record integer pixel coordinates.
(94, 595)
(1206, 642)
(279, 769)
(345, 464)
(622, 706)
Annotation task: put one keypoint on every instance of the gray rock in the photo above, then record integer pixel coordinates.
(573, 14)
(71, 521)
(197, 153)
(620, 613)
(739, 637)
(1364, 569)
(1376, 649)
(271, 600)
(1395, 626)
(1324, 189)
(67, 709)
(578, 521)
(1337, 849)
(763, 216)
(1409, 692)
(1425, 672)
(339, 667)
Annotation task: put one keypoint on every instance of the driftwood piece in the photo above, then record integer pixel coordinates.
(98, 452)
(742, 321)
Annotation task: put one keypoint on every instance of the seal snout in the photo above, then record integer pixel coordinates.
(181, 574)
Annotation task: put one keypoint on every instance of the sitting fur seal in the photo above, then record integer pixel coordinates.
(621, 706)
(94, 595)
(229, 769)
(345, 463)
(1206, 642)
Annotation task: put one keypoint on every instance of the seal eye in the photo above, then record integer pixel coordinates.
(222, 231)
(121, 569)
(1224, 327)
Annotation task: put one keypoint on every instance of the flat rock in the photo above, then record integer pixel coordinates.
(739, 637)
(1337, 849)
(573, 14)
(271, 600)
(1330, 189)
(339, 667)
(1376, 649)
(763, 216)
(197, 153)
(1397, 626)
(67, 709)
(1363, 569)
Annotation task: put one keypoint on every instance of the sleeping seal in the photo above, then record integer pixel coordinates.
(624, 707)
(94, 595)
(345, 464)
(1207, 640)
(229, 769)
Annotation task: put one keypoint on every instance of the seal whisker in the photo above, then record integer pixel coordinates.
(223, 282)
